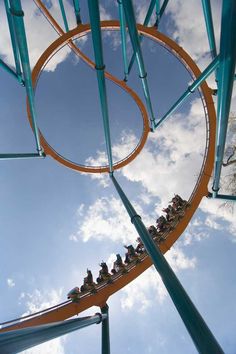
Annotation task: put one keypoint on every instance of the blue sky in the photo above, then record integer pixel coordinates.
(56, 222)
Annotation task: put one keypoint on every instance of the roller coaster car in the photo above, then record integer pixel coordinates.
(104, 275)
(74, 294)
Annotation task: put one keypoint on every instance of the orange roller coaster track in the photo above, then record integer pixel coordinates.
(104, 291)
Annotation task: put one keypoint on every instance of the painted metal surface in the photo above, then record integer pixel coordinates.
(145, 23)
(63, 13)
(18, 340)
(14, 43)
(225, 84)
(123, 38)
(21, 156)
(100, 67)
(105, 331)
(17, 15)
(77, 11)
(231, 198)
(134, 37)
(206, 5)
(201, 335)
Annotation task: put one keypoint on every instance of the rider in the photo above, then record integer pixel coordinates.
(118, 264)
(130, 254)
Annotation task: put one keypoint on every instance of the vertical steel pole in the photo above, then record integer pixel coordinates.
(145, 23)
(100, 67)
(225, 84)
(201, 335)
(17, 15)
(123, 38)
(206, 5)
(77, 11)
(63, 13)
(157, 12)
(105, 331)
(130, 19)
(14, 44)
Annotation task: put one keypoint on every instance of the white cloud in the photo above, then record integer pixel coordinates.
(148, 287)
(10, 283)
(212, 223)
(190, 31)
(216, 210)
(107, 219)
(171, 160)
(38, 301)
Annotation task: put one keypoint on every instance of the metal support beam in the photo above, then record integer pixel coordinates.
(77, 12)
(17, 16)
(100, 67)
(105, 331)
(211, 67)
(201, 335)
(19, 156)
(146, 22)
(231, 198)
(130, 19)
(22, 339)
(123, 38)
(206, 5)
(63, 13)
(14, 43)
(225, 84)
(157, 12)
(162, 9)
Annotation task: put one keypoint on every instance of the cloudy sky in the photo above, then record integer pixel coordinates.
(55, 222)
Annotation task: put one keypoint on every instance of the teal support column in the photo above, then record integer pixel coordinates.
(206, 5)
(130, 19)
(20, 156)
(18, 340)
(100, 67)
(225, 84)
(63, 13)
(123, 38)
(14, 44)
(231, 198)
(201, 335)
(161, 12)
(157, 12)
(105, 330)
(146, 22)
(211, 67)
(77, 11)
(17, 15)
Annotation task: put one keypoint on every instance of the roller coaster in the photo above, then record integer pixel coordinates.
(15, 333)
